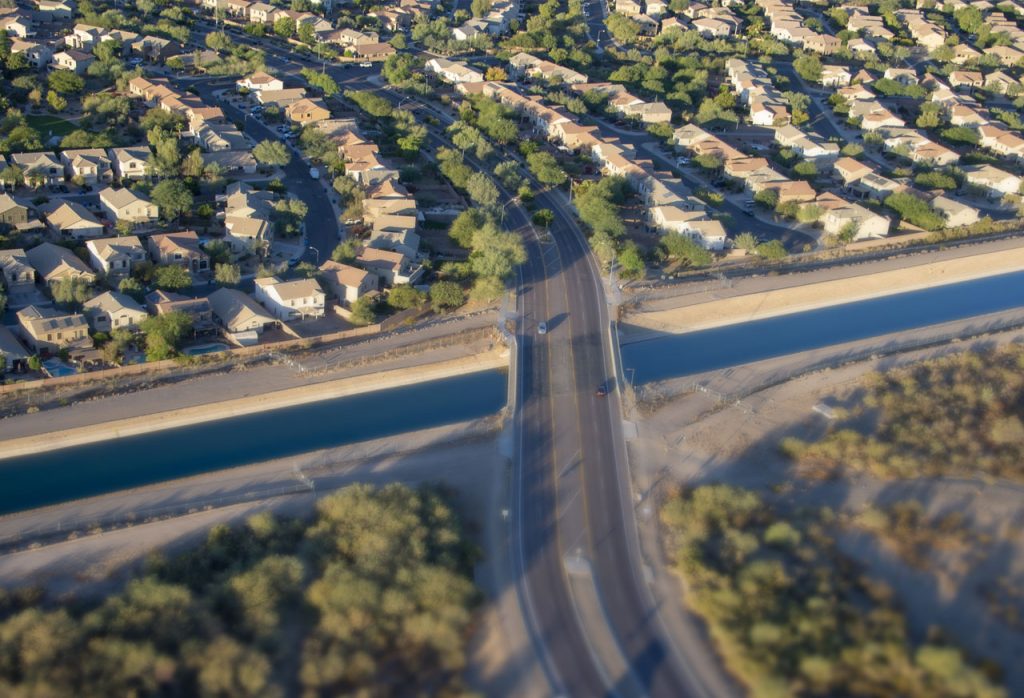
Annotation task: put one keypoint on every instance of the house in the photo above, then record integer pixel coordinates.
(469, 30)
(373, 52)
(1000, 140)
(955, 212)
(841, 216)
(71, 219)
(87, 165)
(181, 248)
(232, 161)
(55, 10)
(281, 98)
(236, 312)
(453, 71)
(113, 311)
(131, 162)
(15, 357)
(835, 76)
(39, 169)
(904, 76)
(349, 284)
(768, 113)
(259, 81)
(352, 37)
(125, 205)
(260, 13)
(1000, 82)
(808, 147)
(969, 79)
(392, 267)
(711, 28)
(116, 256)
(46, 330)
(74, 60)
(18, 275)
(16, 25)
(198, 310)
(994, 181)
(38, 55)
(247, 215)
(307, 111)
(291, 300)
(12, 213)
(54, 263)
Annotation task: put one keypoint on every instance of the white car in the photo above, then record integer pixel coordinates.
(542, 328)
(366, 65)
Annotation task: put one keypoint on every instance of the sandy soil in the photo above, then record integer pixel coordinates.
(700, 438)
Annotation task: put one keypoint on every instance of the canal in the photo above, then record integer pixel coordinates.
(676, 355)
(93, 469)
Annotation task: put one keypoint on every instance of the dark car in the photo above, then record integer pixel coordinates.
(602, 390)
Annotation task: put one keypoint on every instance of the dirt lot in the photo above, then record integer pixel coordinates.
(697, 438)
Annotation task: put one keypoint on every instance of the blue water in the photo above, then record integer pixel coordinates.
(201, 349)
(84, 471)
(56, 368)
(671, 356)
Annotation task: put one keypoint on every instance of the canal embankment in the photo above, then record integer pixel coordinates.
(710, 304)
(55, 437)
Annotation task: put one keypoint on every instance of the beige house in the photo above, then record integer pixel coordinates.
(291, 300)
(88, 165)
(71, 219)
(392, 267)
(116, 256)
(11, 212)
(125, 205)
(18, 274)
(39, 168)
(113, 311)
(236, 312)
(181, 248)
(259, 81)
(46, 330)
(349, 284)
(994, 181)
(308, 111)
(54, 263)
(130, 163)
(198, 309)
(73, 60)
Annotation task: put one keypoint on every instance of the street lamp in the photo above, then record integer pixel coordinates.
(513, 200)
(317, 254)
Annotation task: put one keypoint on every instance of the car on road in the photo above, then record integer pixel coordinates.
(602, 390)
(542, 328)
(366, 65)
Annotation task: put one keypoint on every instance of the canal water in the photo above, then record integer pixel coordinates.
(672, 356)
(93, 469)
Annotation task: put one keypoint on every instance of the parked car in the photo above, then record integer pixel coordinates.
(542, 328)
(366, 65)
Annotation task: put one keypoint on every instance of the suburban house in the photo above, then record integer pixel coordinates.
(198, 309)
(125, 205)
(12, 213)
(348, 283)
(453, 71)
(181, 248)
(247, 216)
(307, 111)
(15, 357)
(393, 267)
(38, 55)
(87, 165)
(835, 76)
(955, 212)
(113, 311)
(39, 168)
(74, 60)
(994, 181)
(130, 163)
(841, 216)
(236, 312)
(46, 330)
(282, 98)
(291, 300)
(54, 263)
(71, 219)
(116, 256)
(18, 275)
(373, 52)
(259, 81)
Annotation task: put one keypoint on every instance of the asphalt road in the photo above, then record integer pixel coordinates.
(573, 499)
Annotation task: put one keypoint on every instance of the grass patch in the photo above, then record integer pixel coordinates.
(49, 126)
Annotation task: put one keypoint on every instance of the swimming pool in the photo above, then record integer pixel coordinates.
(200, 349)
(55, 368)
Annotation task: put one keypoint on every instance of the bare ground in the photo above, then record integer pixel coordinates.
(699, 438)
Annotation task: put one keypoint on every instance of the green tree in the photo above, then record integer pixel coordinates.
(631, 262)
(172, 277)
(404, 296)
(321, 81)
(685, 250)
(808, 66)
(271, 152)
(446, 295)
(482, 190)
(284, 27)
(227, 274)
(465, 226)
(364, 311)
(771, 250)
(71, 290)
(546, 169)
(56, 102)
(346, 251)
(746, 241)
(496, 253)
(164, 333)
(65, 82)
(173, 198)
